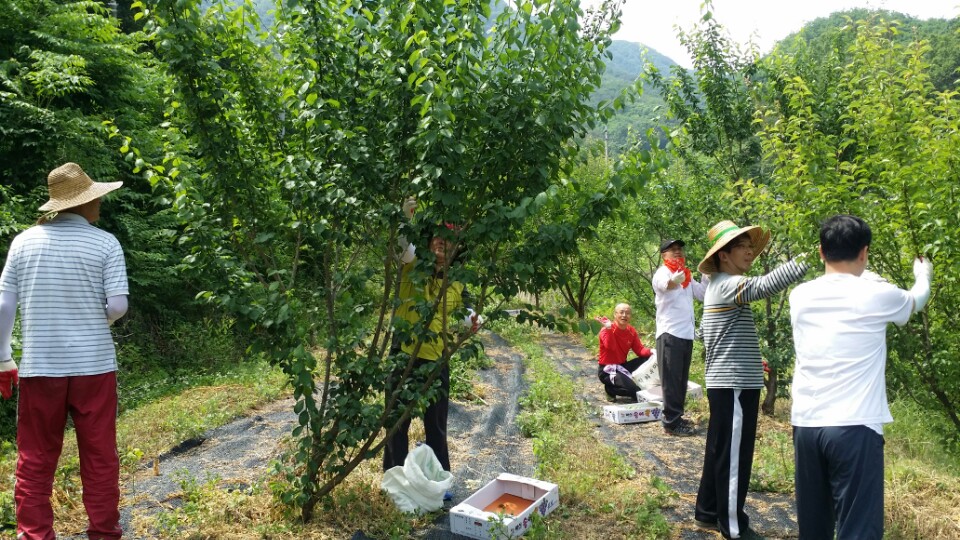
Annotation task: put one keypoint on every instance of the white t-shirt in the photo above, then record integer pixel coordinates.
(63, 272)
(840, 336)
(675, 306)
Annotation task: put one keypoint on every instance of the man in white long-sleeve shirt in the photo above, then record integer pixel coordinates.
(673, 292)
(69, 279)
(839, 383)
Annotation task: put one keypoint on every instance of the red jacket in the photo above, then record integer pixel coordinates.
(616, 343)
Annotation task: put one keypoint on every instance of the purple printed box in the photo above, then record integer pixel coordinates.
(632, 413)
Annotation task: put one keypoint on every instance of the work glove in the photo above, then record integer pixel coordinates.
(923, 272)
(409, 207)
(922, 269)
(8, 378)
(678, 277)
(473, 320)
(604, 321)
(808, 258)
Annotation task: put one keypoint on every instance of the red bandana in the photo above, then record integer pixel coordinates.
(675, 265)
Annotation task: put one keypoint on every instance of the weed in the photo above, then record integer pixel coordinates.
(773, 464)
(463, 376)
(919, 435)
(588, 473)
(648, 522)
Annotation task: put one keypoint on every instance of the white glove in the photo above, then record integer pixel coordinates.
(409, 207)
(922, 269)
(704, 279)
(923, 272)
(473, 320)
(678, 277)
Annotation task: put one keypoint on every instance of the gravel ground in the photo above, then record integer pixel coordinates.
(484, 441)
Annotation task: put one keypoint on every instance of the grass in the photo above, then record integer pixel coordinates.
(148, 431)
(601, 494)
(922, 488)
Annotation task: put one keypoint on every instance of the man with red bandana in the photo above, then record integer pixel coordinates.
(617, 339)
(674, 292)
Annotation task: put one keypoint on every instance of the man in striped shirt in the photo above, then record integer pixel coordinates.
(734, 371)
(69, 279)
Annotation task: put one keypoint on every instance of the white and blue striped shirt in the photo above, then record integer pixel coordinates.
(62, 272)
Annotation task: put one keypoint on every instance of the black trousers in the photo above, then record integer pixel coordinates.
(434, 416)
(839, 482)
(621, 385)
(673, 363)
(728, 459)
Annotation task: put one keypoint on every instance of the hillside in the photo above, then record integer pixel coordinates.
(941, 34)
(629, 58)
(627, 62)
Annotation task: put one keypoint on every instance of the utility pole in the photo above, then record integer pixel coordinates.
(606, 158)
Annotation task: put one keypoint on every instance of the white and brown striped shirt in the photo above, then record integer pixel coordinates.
(729, 331)
(62, 272)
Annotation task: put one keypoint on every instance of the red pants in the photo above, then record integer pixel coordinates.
(41, 418)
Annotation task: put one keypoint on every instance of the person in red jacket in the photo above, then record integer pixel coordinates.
(617, 339)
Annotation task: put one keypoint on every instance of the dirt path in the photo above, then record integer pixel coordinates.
(676, 460)
(484, 441)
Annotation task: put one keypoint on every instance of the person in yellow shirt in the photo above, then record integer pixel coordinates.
(444, 298)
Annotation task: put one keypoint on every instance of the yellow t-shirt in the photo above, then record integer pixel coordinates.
(410, 296)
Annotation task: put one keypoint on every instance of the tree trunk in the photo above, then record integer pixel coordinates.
(769, 401)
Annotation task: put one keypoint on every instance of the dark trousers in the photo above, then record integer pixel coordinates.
(434, 416)
(42, 409)
(621, 385)
(839, 482)
(673, 363)
(728, 459)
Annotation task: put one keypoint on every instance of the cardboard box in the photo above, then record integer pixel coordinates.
(655, 393)
(632, 413)
(471, 520)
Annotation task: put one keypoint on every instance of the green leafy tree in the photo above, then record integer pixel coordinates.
(304, 141)
(592, 192)
(717, 140)
(875, 139)
(68, 76)
(66, 69)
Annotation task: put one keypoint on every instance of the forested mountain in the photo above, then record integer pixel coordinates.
(647, 111)
(943, 55)
(637, 117)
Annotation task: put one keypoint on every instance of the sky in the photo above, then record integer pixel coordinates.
(652, 22)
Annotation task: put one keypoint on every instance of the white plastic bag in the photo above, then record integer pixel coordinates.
(419, 484)
(647, 374)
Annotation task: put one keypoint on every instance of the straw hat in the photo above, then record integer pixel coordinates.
(723, 233)
(69, 186)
